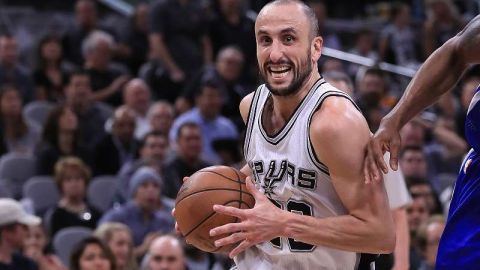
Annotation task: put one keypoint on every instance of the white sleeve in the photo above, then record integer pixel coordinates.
(398, 195)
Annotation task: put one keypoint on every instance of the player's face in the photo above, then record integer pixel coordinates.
(284, 48)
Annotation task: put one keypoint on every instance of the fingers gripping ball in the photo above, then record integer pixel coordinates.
(194, 204)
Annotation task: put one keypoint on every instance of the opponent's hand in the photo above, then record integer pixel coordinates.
(259, 224)
(387, 138)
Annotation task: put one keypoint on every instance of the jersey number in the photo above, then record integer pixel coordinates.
(297, 207)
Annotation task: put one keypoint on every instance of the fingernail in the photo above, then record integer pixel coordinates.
(212, 232)
(217, 243)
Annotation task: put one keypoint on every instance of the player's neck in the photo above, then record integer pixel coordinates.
(284, 106)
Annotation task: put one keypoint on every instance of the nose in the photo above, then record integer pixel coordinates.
(276, 52)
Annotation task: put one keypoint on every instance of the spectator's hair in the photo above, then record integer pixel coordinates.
(92, 40)
(414, 148)
(40, 60)
(149, 134)
(77, 72)
(210, 83)
(421, 236)
(396, 9)
(51, 128)
(186, 125)
(21, 127)
(227, 48)
(105, 233)
(164, 103)
(309, 14)
(82, 246)
(338, 76)
(67, 163)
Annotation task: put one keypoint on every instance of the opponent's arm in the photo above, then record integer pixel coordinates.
(439, 73)
(340, 135)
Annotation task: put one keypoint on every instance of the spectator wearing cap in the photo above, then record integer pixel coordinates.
(14, 222)
(118, 147)
(145, 213)
(206, 114)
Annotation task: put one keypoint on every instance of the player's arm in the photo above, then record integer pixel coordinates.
(439, 73)
(244, 108)
(339, 136)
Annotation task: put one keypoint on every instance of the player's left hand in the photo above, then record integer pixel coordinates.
(260, 224)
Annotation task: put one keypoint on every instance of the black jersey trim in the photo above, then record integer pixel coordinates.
(311, 150)
(282, 133)
(252, 112)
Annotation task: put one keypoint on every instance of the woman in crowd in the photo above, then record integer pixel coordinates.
(51, 73)
(36, 248)
(118, 238)
(60, 137)
(17, 135)
(72, 177)
(92, 254)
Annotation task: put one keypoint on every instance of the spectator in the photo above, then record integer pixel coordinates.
(78, 97)
(330, 39)
(153, 152)
(107, 79)
(443, 22)
(160, 117)
(226, 74)
(118, 238)
(230, 26)
(36, 248)
(340, 80)
(418, 212)
(60, 138)
(117, 147)
(92, 254)
(17, 135)
(144, 213)
(419, 187)
(72, 177)
(179, 40)
(413, 162)
(10, 70)
(398, 40)
(206, 114)
(51, 73)
(428, 238)
(136, 96)
(166, 252)
(134, 46)
(14, 222)
(364, 46)
(187, 158)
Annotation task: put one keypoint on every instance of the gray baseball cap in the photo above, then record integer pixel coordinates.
(12, 211)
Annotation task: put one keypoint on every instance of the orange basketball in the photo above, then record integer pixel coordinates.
(194, 204)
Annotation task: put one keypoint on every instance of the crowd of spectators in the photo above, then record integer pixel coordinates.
(157, 101)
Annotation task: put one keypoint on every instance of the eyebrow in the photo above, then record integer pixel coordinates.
(283, 31)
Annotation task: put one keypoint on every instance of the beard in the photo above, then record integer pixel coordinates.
(299, 77)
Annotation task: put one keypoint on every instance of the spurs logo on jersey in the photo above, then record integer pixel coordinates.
(287, 170)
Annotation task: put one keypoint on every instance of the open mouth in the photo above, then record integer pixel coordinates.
(279, 72)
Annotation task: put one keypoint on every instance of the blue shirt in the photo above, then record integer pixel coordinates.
(218, 128)
(132, 216)
(459, 246)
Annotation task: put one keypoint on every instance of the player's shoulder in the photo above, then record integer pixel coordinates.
(246, 103)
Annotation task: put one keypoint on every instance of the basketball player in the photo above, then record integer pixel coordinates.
(460, 244)
(305, 146)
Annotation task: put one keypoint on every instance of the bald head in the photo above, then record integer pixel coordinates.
(137, 96)
(166, 253)
(305, 9)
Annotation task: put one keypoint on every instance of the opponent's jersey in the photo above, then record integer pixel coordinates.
(287, 171)
(460, 243)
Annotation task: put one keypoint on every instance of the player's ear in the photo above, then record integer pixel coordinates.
(316, 48)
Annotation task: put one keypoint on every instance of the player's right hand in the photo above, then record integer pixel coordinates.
(387, 138)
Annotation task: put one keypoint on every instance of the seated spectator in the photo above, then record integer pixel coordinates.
(144, 213)
(118, 147)
(364, 46)
(206, 115)
(78, 97)
(160, 117)
(187, 158)
(61, 137)
(136, 96)
(417, 212)
(339, 80)
(72, 177)
(428, 238)
(17, 135)
(166, 252)
(153, 152)
(118, 238)
(419, 187)
(107, 79)
(92, 254)
(11, 72)
(36, 247)
(51, 73)
(14, 222)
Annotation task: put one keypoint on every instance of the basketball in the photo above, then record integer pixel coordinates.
(194, 204)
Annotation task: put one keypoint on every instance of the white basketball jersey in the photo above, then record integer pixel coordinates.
(286, 169)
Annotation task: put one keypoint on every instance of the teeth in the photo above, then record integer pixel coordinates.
(280, 69)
